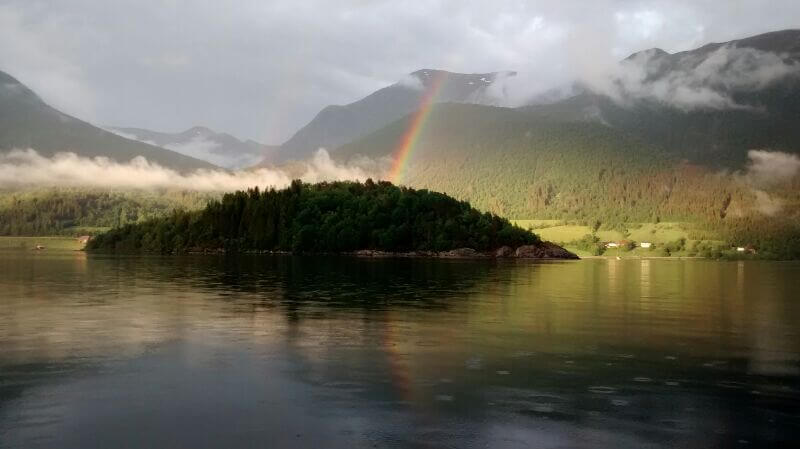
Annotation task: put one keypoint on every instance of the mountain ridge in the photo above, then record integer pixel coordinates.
(737, 101)
(709, 105)
(336, 125)
(27, 121)
(201, 142)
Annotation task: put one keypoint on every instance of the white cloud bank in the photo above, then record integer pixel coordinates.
(772, 167)
(692, 82)
(767, 169)
(20, 168)
(200, 147)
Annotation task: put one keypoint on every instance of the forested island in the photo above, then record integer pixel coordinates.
(370, 218)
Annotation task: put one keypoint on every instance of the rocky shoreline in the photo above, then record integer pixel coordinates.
(543, 250)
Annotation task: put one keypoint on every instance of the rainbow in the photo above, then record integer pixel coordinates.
(409, 139)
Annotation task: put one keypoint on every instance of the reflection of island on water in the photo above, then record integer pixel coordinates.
(562, 304)
(486, 340)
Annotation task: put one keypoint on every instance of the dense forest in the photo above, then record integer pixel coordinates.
(72, 211)
(326, 217)
(520, 165)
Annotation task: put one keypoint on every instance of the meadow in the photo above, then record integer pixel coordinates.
(659, 235)
(49, 243)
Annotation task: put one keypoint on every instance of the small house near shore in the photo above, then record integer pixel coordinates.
(646, 244)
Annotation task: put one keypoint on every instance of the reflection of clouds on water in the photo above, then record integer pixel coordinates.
(773, 351)
(644, 278)
(613, 275)
(515, 346)
(740, 277)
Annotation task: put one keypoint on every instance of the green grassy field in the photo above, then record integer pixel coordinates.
(49, 243)
(658, 234)
(536, 224)
(637, 232)
(565, 233)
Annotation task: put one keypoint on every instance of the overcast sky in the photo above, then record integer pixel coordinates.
(262, 69)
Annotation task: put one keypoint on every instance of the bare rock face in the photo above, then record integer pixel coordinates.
(504, 251)
(460, 253)
(544, 250)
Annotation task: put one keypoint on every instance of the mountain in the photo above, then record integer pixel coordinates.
(519, 164)
(709, 105)
(200, 142)
(337, 125)
(28, 122)
(649, 143)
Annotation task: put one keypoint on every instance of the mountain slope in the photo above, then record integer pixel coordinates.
(200, 142)
(709, 105)
(337, 125)
(669, 137)
(27, 122)
(517, 164)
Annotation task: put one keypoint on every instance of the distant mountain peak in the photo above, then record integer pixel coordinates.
(473, 79)
(650, 53)
(199, 130)
(339, 124)
(204, 143)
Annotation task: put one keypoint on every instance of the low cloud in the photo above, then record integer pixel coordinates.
(766, 204)
(200, 147)
(322, 168)
(411, 81)
(22, 168)
(693, 81)
(772, 167)
(767, 170)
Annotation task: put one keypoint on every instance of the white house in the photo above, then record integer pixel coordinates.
(740, 249)
(645, 244)
(612, 245)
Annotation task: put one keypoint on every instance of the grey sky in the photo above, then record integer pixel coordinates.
(262, 69)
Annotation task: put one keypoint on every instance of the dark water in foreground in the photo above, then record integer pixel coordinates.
(346, 353)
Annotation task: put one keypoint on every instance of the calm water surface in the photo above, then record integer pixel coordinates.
(344, 353)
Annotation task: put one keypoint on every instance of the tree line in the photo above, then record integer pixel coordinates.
(324, 217)
(71, 211)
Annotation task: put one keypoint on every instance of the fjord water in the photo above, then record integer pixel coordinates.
(101, 351)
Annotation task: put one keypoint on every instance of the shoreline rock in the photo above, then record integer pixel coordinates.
(543, 250)
(504, 251)
(462, 253)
